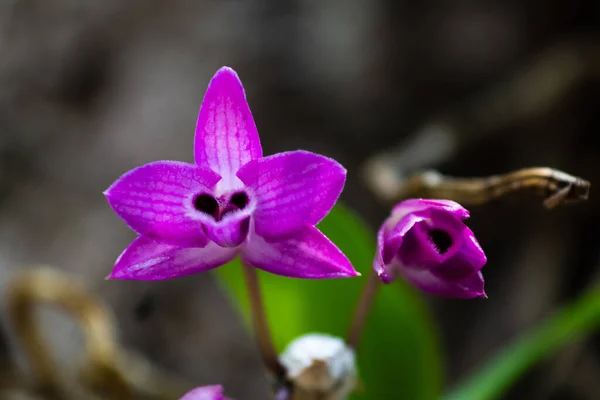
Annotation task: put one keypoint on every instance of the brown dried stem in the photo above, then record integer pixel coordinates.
(46, 285)
(555, 186)
(109, 371)
(535, 90)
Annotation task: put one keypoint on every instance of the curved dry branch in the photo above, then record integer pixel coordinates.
(108, 371)
(557, 187)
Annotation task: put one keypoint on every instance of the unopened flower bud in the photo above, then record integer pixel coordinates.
(319, 366)
(427, 243)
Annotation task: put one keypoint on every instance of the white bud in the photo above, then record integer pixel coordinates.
(320, 367)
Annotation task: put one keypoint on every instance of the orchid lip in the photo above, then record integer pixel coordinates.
(226, 219)
(444, 241)
(441, 240)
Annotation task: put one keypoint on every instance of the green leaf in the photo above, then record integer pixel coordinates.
(399, 355)
(571, 323)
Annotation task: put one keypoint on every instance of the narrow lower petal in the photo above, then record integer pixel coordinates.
(293, 190)
(148, 260)
(226, 135)
(466, 288)
(214, 392)
(308, 254)
(156, 200)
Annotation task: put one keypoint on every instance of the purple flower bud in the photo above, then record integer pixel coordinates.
(426, 242)
(214, 392)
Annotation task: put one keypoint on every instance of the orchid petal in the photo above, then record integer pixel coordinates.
(226, 136)
(307, 254)
(229, 232)
(416, 205)
(389, 239)
(381, 268)
(293, 190)
(214, 392)
(156, 200)
(432, 241)
(466, 288)
(394, 236)
(146, 259)
(469, 259)
(417, 251)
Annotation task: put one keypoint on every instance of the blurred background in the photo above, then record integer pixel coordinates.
(90, 89)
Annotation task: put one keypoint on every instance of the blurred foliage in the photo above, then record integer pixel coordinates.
(571, 323)
(399, 353)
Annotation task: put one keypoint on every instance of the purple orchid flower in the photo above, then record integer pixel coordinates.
(426, 242)
(214, 392)
(195, 217)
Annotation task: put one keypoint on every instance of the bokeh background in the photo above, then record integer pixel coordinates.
(90, 89)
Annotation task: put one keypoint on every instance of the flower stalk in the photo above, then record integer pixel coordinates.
(362, 309)
(260, 325)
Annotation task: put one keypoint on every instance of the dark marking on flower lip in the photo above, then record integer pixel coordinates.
(239, 199)
(218, 208)
(207, 204)
(440, 239)
(227, 210)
